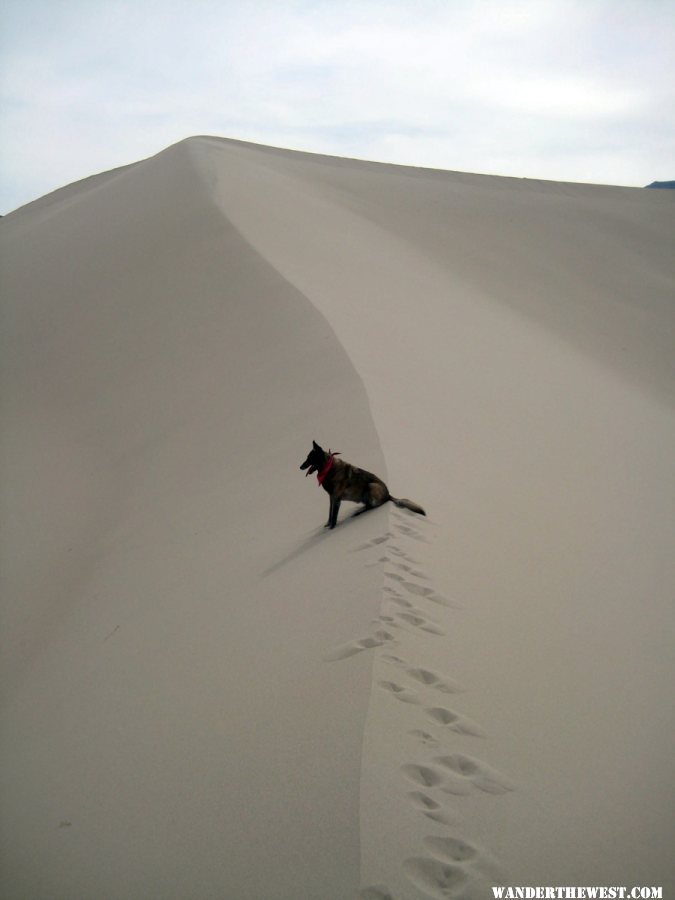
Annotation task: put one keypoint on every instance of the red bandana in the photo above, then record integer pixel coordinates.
(328, 465)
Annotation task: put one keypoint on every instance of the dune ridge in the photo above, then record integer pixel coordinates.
(147, 649)
(205, 693)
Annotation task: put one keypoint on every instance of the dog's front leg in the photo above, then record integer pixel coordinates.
(330, 511)
(334, 509)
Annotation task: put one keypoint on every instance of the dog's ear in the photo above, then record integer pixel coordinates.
(316, 446)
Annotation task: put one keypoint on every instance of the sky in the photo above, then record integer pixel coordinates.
(568, 90)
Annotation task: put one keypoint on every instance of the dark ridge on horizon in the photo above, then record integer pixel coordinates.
(661, 184)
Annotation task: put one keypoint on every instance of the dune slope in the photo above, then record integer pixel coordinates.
(170, 729)
(208, 695)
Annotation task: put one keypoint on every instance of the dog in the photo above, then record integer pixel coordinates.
(342, 481)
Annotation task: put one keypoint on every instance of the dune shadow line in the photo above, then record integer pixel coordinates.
(312, 541)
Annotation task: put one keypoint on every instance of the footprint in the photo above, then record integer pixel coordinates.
(398, 550)
(439, 599)
(400, 601)
(448, 686)
(443, 818)
(424, 737)
(405, 529)
(394, 660)
(422, 775)
(455, 722)
(411, 618)
(457, 786)
(424, 676)
(442, 716)
(394, 575)
(450, 849)
(481, 775)
(373, 543)
(389, 621)
(383, 636)
(462, 765)
(375, 892)
(420, 589)
(401, 554)
(401, 693)
(433, 629)
(428, 593)
(413, 572)
(438, 879)
(417, 621)
(411, 533)
(344, 651)
(423, 802)
(435, 681)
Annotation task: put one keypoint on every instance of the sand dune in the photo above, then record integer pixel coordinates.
(208, 695)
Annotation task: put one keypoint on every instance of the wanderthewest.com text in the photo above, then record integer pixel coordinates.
(577, 893)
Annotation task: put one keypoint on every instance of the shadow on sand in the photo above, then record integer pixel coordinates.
(313, 540)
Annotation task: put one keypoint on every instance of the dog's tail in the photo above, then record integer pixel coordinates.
(407, 504)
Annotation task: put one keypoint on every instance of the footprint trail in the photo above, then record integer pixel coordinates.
(436, 773)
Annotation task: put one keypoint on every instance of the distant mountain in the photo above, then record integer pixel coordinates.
(662, 184)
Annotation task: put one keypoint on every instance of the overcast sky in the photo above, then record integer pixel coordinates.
(575, 90)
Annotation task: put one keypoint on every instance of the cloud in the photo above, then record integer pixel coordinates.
(536, 88)
(569, 97)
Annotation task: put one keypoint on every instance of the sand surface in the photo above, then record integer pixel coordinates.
(205, 693)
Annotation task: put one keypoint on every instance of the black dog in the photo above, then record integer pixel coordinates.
(342, 481)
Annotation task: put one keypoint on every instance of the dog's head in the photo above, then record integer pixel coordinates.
(315, 459)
